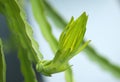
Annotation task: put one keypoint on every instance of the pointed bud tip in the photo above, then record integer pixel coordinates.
(84, 13)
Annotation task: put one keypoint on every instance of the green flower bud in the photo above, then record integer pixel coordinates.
(70, 44)
(73, 34)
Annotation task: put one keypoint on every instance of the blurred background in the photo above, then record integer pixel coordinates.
(103, 28)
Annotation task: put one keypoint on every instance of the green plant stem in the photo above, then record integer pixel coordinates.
(2, 64)
(89, 51)
(69, 75)
(38, 11)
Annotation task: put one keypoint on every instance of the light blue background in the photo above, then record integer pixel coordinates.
(103, 28)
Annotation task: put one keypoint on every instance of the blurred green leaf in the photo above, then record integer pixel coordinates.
(38, 11)
(103, 62)
(23, 37)
(2, 64)
(52, 13)
(21, 30)
(26, 66)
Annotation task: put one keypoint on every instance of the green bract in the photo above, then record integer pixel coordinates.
(70, 44)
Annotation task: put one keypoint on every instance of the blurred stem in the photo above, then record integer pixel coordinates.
(90, 51)
(69, 75)
(38, 11)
